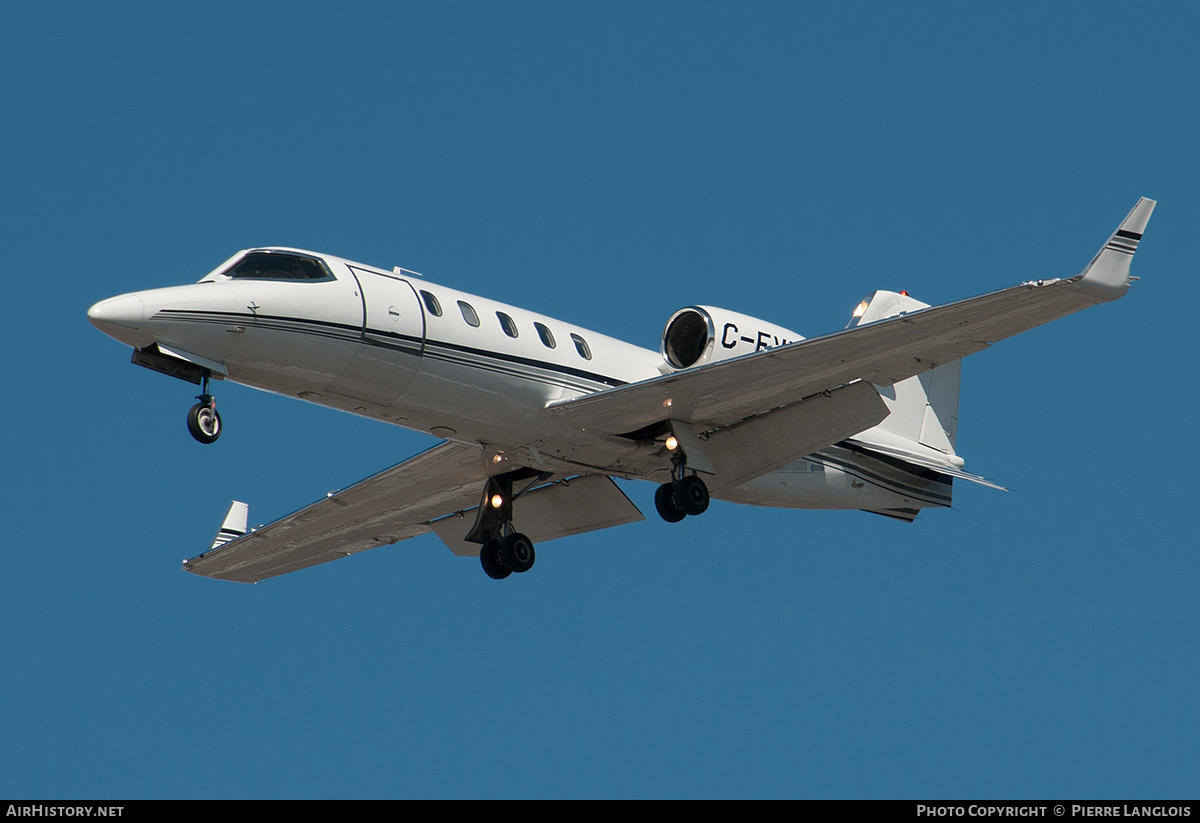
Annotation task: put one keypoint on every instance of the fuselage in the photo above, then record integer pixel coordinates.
(396, 348)
(381, 344)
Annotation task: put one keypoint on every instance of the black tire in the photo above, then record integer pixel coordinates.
(516, 553)
(692, 495)
(204, 423)
(489, 557)
(668, 507)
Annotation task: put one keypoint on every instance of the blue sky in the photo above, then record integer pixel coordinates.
(605, 164)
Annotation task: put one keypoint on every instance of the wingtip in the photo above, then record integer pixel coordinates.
(1135, 222)
(234, 525)
(1107, 276)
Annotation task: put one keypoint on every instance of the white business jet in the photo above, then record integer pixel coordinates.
(538, 416)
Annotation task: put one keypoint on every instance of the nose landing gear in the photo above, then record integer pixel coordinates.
(203, 421)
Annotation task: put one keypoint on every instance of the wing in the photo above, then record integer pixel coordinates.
(396, 504)
(438, 490)
(727, 392)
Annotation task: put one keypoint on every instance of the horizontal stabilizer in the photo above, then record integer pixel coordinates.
(925, 463)
(962, 475)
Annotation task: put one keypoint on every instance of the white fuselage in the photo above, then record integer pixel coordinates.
(396, 348)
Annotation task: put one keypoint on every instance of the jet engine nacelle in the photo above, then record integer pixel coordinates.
(702, 334)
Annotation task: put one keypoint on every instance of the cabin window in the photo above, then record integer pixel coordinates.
(544, 333)
(431, 303)
(507, 323)
(275, 265)
(581, 346)
(468, 314)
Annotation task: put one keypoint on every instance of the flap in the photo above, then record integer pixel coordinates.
(581, 504)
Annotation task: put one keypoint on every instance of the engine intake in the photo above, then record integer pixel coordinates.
(697, 335)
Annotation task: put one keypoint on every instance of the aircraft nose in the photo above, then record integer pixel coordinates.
(117, 316)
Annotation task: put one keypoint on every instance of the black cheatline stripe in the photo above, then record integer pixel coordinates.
(1120, 244)
(406, 345)
(507, 371)
(322, 328)
(1121, 249)
(553, 367)
(888, 485)
(892, 487)
(480, 365)
(897, 463)
(895, 486)
(215, 315)
(197, 317)
(891, 484)
(486, 361)
(454, 353)
(231, 531)
(1132, 235)
(529, 361)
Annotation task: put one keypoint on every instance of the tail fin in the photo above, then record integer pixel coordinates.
(924, 409)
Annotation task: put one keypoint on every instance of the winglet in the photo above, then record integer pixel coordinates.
(234, 525)
(1107, 276)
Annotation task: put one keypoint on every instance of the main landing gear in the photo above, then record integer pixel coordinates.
(203, 420)
(686, 494)
(511, 553)
(503, 549)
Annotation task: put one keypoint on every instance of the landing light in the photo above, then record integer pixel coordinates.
(672, 443)
(497, 501)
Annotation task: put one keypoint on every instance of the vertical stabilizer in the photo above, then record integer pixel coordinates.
(923, 409)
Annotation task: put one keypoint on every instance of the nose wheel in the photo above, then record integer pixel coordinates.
(203, 421)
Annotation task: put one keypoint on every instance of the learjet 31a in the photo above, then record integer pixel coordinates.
(538, 416)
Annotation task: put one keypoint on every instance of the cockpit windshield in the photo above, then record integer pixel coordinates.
(278, 265)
